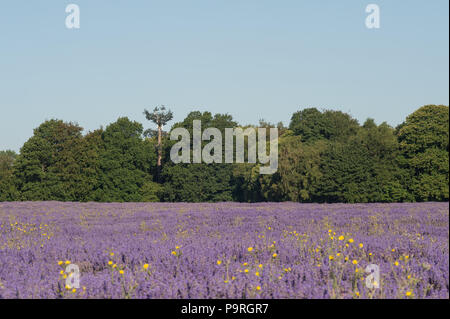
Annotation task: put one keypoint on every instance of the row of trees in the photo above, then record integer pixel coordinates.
(324, 156)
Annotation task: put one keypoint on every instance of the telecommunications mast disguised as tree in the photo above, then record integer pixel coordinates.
(160, 116)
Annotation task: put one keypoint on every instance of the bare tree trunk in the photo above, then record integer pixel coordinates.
(159, 151)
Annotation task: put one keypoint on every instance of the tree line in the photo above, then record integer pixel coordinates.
(324, 156)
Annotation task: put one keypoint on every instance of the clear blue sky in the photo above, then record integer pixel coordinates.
(250, 58)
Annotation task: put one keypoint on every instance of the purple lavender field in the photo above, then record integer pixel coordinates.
(225, 250)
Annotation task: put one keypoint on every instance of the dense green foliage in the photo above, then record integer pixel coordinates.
(8, 191)
(126, 162)
(324, 156)
(423, 139)
(199, 182)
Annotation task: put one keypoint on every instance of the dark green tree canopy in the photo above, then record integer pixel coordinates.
(160, 116)
(47, 167)
(219, 121)
(200, 182)
(324, 156)
(7, 159)
(8, 191)
(125, 162)
(312, 125)
(424, 138)
(424, 129)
